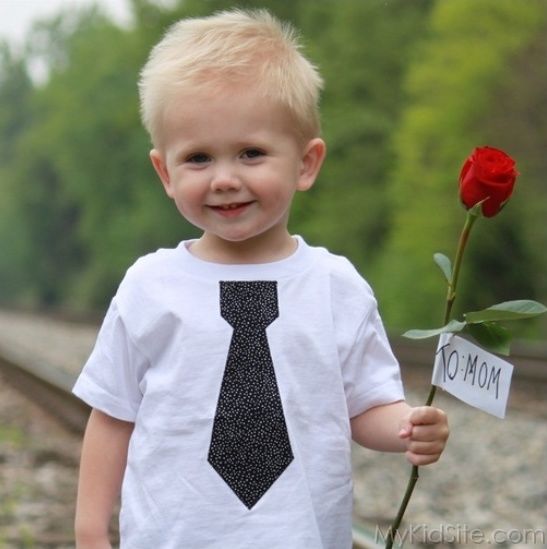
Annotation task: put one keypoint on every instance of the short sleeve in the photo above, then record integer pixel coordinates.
(370, 370)
(110, 379)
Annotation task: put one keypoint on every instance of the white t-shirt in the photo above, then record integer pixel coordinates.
(159, 362)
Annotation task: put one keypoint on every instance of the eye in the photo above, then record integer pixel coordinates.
(252, 153)
(198, 158)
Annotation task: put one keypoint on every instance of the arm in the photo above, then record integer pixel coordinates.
(104, 455)
(420, 432)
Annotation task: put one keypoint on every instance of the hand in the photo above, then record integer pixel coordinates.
(425, 431)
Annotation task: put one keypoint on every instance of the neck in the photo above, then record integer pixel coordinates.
(251, 251)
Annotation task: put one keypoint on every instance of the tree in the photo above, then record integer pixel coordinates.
(453, 87)
(15, 93)
(362, 49)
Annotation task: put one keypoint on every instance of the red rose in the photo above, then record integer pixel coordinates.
(488, 174)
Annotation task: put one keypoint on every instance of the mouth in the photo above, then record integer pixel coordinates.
(231, 209)
(233, 206)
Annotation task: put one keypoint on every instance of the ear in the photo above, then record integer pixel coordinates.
(158, 161)
(312, 159)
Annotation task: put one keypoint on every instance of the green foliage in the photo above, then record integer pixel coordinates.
(452, 86)
(362, 49)
(15, 93)
(444, 264)
(491, 336)
(80, 182)
(411, 88)
(95, 204)
(519, 309)
(451, 327)
(484, 325)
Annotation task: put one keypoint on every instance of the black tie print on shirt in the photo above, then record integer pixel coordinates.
(250, 445)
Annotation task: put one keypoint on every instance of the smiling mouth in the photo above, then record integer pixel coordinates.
(231, 208)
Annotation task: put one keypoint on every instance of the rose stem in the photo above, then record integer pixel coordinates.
(450, 297)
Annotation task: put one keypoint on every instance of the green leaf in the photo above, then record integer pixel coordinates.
(452, 327)
(508, 310)
(491, 336)
(445, 265)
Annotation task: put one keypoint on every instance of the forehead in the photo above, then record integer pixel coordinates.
(229, 109)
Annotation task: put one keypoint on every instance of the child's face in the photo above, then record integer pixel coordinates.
(232, 163)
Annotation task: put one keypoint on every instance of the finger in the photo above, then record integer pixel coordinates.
(425, 448)
(422, 459)
(406, 430)
(426, 433)
(426, 415)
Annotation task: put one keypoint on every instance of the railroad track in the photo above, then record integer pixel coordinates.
(50, 387)
(72, 414)
(56, 400)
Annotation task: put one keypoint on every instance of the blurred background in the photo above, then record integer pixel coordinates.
(411, 89)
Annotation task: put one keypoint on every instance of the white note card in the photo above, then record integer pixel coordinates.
(472, 375)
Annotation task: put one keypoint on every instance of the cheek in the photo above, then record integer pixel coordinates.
(274, 195)
(188, 201)
(188, 190)
(284, 193)
(277, 188)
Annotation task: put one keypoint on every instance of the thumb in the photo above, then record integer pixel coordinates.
(405, 428)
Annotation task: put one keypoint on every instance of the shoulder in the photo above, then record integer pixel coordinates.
(343, 275)
(146, 295)
(148, 279)
(351, 298)
(151, 265)
(152, 271)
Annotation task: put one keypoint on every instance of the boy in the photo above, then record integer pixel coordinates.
(231, 373)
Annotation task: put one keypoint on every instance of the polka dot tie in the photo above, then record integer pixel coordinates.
(250, 445)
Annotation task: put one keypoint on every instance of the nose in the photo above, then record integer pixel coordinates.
(225, 179)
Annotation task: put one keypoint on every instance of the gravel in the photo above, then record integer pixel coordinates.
(489, 485)
(492, 478)
(38, 469)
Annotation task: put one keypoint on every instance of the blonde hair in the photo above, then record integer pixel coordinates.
(231, 47)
